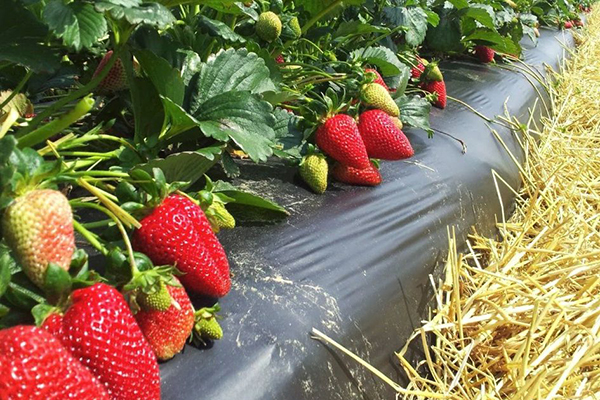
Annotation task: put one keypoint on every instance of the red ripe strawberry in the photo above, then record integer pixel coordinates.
(378, 79)
(440, 89)
(167, 331)
(178, 233)
(34, 365)
(578, 22)
(279, 59)
(366, 177)
(382, 137)
(485, 54)
(418, 70)
(101, 332)
(568, 25)
(116, 79)
(340, 139)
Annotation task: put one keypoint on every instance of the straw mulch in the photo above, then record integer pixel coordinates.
(519, 317)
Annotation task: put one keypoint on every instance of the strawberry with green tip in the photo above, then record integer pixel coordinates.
(313, 170)
(38, 227)
(34, 365)
(376, 96)
(158, 300)
(382, 138)
(268, 26)
(167, 330)
(369, 176)
(339, 138)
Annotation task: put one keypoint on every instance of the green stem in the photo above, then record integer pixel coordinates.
(320, 15)
(96, 155)
(98, 224)
(90, 237)
(112, 174)
(17, 89)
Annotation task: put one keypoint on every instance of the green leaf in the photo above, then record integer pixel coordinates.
(147, 109)
(414, 111)
(413, 18)
(22, 294)
(385, 59)
(459, 4)
(40, 312)
(356, 28)
(245, 198)
(77, 23)
(495, 41)
(22, 39)
(314, 7)
(229, 166)
(219, 29)
(4, 275)
(287, 132)
(228, 71)
(188, 166)
(432, 18)
(446, 36)
(241, 117)
(481, 13)
(165, 78)
(177, 120)
(57, 282)
(144, 14)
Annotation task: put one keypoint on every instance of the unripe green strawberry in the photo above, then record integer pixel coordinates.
(295, 26)
(209, 329)
(314, 169)
(219, 217)
(432, 73)
(268, 26)
(158, 301)
(376, 96)
(38, 227)
(116, 80)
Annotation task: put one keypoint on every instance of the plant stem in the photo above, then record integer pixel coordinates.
(17, 89)
(320, 15)
(90, 237)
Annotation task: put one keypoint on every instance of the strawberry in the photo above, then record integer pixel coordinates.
(382, 138)
(268, 26)
(485, 54)
(568, 25)
(367, 176)
(439, 88)
(376, 96)
(416, 71)
(378, 79)
(219, 217)
(314, 170)
(178, 233)
(207, 326)
(34, 365)
(578, 22)
(167, 331)
(116, 80)
(100, 330)
(295, 27)
(38, 227)
(340, 139)
(279, 59)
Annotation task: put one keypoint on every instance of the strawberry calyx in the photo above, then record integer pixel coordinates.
(432, 72)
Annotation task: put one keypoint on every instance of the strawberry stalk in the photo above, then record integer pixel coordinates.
(58, 125)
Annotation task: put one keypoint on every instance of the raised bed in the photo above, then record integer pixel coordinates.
(354, 262)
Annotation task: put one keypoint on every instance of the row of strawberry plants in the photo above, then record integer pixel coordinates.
(115, 114)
